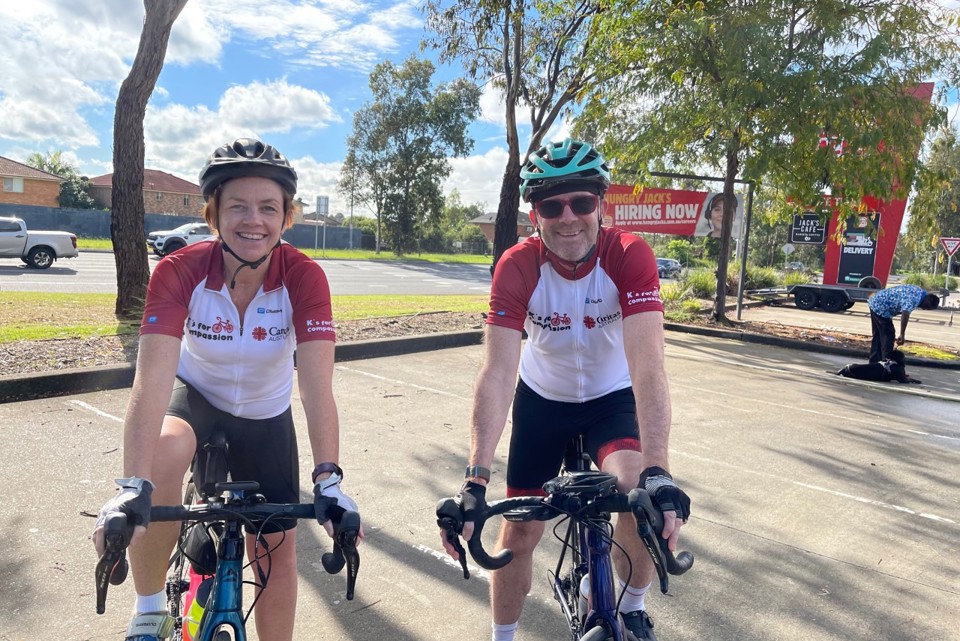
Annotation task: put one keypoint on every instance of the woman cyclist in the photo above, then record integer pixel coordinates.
(267, 299)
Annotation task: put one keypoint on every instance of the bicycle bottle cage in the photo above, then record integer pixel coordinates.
(210, 465)
(588, 484)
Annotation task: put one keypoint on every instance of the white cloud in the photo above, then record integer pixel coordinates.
(182, 137)
(478, 178)
(275, 106)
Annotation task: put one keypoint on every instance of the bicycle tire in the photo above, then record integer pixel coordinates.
(598, 633)
(178, 570)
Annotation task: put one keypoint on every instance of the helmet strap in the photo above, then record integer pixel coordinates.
(245, 263)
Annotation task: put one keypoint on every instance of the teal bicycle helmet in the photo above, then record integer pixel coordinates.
(558, 167)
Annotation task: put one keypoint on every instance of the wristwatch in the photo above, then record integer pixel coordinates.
(477, 472)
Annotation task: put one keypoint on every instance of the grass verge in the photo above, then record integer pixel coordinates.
(105, 244)
(41, 316)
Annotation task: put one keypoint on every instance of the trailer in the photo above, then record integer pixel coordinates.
(829, 298)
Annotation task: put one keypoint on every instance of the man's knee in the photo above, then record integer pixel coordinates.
(626, 465)
(521, 538)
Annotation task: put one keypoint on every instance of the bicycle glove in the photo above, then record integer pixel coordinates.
(328, 496)
(133, 500)
(471, 499)
(664, 493)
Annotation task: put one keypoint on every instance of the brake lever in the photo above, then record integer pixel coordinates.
(346, 529)
(112, 566)
(450, 519)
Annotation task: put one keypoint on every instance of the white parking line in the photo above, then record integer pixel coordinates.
(90, 408)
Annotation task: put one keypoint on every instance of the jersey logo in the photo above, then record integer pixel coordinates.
(259, 333)
(555, 322)
(637, 298)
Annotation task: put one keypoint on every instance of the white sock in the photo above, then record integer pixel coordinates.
(504, 632)
(633, 598)
(151, 603)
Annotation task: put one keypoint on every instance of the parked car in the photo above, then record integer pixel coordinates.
(668, 267)
(795, 266)
(38, 249)
(168, 241)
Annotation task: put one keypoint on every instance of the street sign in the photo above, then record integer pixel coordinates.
(788, 249)
(807, 229)
(951, 245)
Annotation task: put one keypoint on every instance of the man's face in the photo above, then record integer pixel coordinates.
(569, 223)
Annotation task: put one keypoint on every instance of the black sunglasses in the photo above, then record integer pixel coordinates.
(579, 205)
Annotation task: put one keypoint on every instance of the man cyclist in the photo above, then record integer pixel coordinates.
(588, 298)
(217, 340)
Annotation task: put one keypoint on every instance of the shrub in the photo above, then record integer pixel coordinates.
(797, 278)
(700, 283)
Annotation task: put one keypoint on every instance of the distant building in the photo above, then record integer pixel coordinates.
(163, 193)
(24, 185)
(487, 224)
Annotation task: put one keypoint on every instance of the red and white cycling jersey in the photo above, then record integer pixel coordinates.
(574, 319)
(243, 366)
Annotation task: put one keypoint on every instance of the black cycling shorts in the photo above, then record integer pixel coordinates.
(542, 430)
(262, 450)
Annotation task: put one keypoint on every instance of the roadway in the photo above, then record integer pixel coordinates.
(823, 508)
(95, 272)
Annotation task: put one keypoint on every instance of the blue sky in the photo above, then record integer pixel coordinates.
(291, 72)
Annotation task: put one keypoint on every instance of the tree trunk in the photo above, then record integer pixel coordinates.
(729, 211)
(126, 215)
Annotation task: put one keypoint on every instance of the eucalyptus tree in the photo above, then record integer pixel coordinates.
(534, 52)
(750, 88)
(935, 208)
(398, 153)
(126, 215)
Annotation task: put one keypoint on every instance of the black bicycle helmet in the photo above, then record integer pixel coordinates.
(246, 157)
(563, 166)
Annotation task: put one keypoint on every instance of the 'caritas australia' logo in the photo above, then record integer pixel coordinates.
(270, 334)
(555, 322)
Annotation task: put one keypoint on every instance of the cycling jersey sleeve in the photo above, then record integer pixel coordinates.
(168, 295)
(514, 280)
(310, 297)
(635, 274)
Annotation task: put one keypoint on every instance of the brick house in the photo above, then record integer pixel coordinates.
(487, 223)
(24, 185)
(163, 193)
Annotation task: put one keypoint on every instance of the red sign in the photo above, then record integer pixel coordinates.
(667, 211)
(950, 244)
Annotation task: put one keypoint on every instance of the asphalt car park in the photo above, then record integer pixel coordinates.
(823, 508)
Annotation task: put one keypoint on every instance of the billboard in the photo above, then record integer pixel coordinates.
(668, 211)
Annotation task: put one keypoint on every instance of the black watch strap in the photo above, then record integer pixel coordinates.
(323, 468)
(475, 471)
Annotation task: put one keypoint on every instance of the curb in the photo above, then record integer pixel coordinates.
(110, 377)
(775, 341)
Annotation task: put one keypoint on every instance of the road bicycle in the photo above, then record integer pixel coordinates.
(205, 579)
(584, 499)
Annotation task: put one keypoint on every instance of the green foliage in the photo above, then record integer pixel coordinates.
(534, 53)
(749, 88)
(75, 189)
(797, 278)
(935, 210)
(680, 249)
(398, 154)
(930, 282)
(701, 283)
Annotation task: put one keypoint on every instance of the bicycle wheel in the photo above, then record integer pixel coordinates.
(600, 633)
(178, 571)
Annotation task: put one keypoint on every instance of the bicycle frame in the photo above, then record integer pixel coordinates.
(224, 606)
(592, 554)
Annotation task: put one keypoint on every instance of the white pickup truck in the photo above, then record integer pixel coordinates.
(38, 249)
